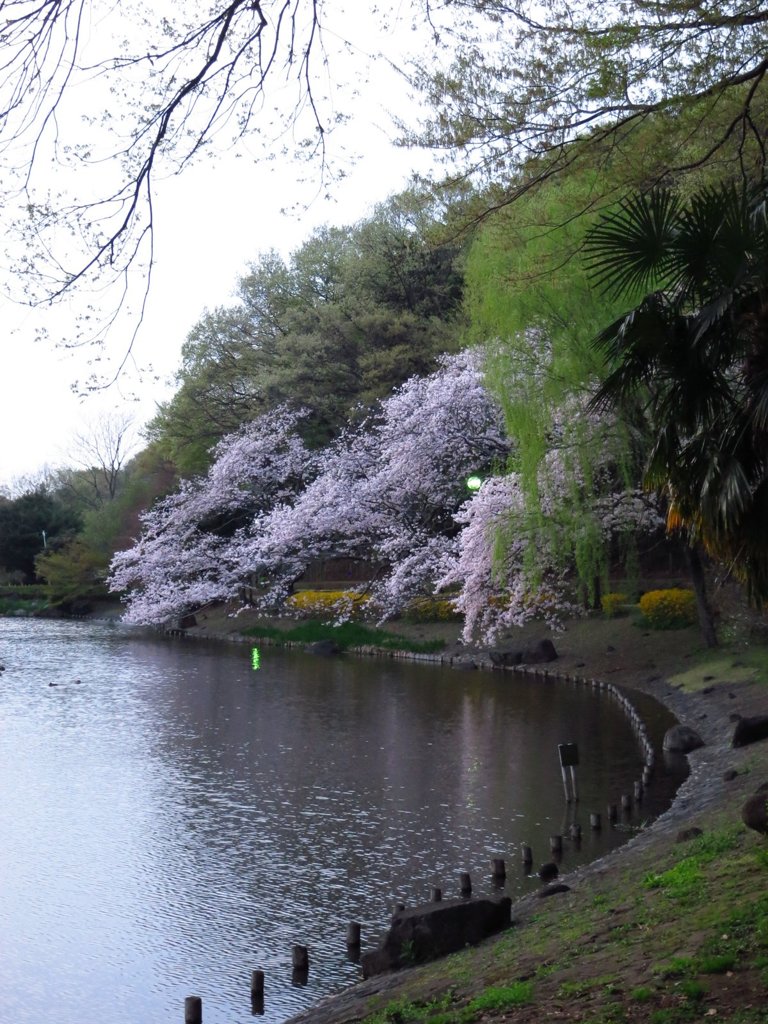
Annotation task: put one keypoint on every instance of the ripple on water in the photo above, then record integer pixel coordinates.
(176, 820)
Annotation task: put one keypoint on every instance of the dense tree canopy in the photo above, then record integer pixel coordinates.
(353, 313)
(28, 525)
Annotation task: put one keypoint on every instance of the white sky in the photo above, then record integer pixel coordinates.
(210, 222)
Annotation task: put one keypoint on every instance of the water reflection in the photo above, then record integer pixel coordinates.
(177, 819)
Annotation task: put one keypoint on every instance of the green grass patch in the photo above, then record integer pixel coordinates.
(676, 967)
(495, 999)
(737, 665)
(693, 990)
(715, 963)
(516, 994)
(681, 882)
(642, 994)
(347, 635)
(9, 605)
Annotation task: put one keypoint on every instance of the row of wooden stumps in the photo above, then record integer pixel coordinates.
(193, 1005)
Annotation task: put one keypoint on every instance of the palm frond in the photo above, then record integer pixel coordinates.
(629, 251)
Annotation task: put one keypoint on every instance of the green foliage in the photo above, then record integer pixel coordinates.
(75, 573)
(28, 525)
(668, 609)
(530, 301)
(688, 361)
(354, 312)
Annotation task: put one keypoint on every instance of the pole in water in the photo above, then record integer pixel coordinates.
(569, 758)
(193, 1010)
(498, 867)
(257, 983)
(556, 844)
(436, 894)
(300, 958)
(595, 821)
(527, 853)
(353, 933)
(465, 884)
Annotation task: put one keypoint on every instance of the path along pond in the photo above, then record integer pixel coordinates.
(177, 819)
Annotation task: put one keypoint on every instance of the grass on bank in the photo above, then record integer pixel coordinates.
(346, 636)
(686, 940)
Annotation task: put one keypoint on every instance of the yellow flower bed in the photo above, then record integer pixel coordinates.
(669, 609)
(327, 603)
(431, 609)
(613, 603)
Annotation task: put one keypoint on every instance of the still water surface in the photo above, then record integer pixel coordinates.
(177, 819)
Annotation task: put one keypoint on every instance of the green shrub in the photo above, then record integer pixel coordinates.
(669, 609)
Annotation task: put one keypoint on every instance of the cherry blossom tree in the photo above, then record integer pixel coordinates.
(391, 493)
(385, 492)
(182, 559)
(515, 562)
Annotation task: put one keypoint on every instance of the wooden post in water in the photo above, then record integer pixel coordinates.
(595, 821)
(300, 958)
(498, 868)
(465, 884)
(576, 831)
(436, 894)
(257, 984)
(527, 853)
(556, 844)
(193, 1010)
(626, 802)
(613, 813)
(569, 758)
(353, 934)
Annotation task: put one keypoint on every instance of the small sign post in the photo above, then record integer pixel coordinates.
(569, 758)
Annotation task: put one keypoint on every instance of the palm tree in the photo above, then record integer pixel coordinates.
(692, 359)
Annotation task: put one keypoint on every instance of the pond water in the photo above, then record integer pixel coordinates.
(176, 818)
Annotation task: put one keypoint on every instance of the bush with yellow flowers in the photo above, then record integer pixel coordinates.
(613, 604)
(327, 604)
(431, 609)
(669, 609)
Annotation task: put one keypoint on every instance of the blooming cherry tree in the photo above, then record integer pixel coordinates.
(182, 559)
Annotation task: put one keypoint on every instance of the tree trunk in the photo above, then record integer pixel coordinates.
(703, 607)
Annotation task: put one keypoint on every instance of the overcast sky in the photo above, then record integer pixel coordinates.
(211, 222)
